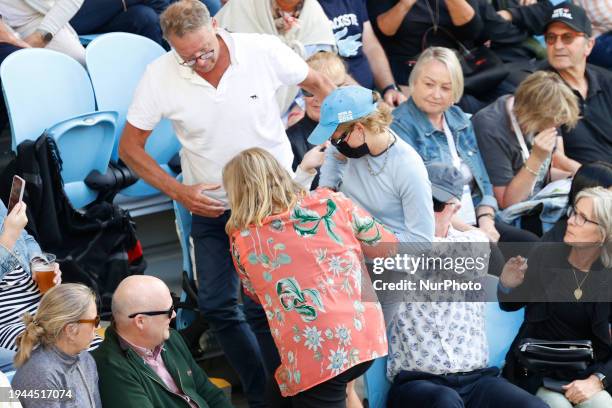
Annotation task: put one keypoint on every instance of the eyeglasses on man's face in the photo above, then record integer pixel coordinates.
(580, 219)
(566, 38)
(204, 56)
(168, 313)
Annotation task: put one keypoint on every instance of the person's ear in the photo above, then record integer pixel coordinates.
(139, 321)
(360, 128)
(590, 43)
(71, 330)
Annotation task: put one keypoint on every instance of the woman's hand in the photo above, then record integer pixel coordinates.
(513, 273)
(57, 278)
(14, 223)
(579, 391)
(487, 225)
(313, 159)
(35, 40)
(544, 143)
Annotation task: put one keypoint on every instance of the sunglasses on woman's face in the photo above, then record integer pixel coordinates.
(306, 94)
(168, 312)
(95, 321)
(345, 136)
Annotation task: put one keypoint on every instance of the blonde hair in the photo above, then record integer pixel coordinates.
(602, 211)
(447, 57)
(257, 186)
(330, 65)
(376, 122)
(60, 306)
(184, 16)
(542, 100)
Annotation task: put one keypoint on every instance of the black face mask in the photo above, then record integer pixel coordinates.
(352, 152)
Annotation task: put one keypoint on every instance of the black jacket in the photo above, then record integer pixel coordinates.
(91, 246)
(298, 136)
(544, 262)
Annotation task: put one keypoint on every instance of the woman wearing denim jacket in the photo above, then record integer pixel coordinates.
(18, 291)
(440, 131)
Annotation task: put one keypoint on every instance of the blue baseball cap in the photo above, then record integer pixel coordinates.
(345, 104)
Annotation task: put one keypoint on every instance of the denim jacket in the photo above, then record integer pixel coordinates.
(412, 125)
(22, 253)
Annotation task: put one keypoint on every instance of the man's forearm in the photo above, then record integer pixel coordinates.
(461, 12)
(317, 84)
(139, 161)
(390, 21)
(379, 64)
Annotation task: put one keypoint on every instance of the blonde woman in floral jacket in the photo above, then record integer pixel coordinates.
(301, 256)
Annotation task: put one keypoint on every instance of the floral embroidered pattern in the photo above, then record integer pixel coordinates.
(292, 297)
(305, 216)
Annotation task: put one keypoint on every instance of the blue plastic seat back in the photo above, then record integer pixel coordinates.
(10, 375)
(41, 88)
(376, 383)
(116, 63)
(502, 328)
(184, 317)
(85, 39)
(85, 143)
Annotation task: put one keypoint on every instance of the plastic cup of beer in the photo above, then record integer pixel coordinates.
(44, 268)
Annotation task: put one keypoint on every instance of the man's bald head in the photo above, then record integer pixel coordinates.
(138, 293)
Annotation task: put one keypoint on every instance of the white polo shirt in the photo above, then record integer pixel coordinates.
(214, 124)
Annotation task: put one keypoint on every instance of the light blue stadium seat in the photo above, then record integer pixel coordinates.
(85, 142)
(10, 375)
(48, 91)
(41, 88)
(116, 62)
(87, 38)
(376, 384)
(501, 328)
(184, 317)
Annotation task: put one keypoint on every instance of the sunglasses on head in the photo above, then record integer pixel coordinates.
(168, 312)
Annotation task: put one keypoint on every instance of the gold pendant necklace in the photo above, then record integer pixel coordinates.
(578, 290)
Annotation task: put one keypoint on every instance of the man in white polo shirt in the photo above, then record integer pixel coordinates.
(218, 89)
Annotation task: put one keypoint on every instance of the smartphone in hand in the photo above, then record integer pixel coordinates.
(17, 190)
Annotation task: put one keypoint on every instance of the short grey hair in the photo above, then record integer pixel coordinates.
(184, 16)
(602, 211)
(447, 57)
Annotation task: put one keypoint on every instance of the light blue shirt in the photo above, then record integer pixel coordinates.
(23, 251)
(399, 197)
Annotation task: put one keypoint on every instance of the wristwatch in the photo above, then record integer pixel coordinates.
(388, 88)
(45, 35)
(602, 378)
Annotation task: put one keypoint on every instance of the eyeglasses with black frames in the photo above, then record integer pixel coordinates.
(168, 312)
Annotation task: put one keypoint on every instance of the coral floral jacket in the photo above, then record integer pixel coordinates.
(306, 267)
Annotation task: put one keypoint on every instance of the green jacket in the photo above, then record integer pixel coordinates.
(126, 381)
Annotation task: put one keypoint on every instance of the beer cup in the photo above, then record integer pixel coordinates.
(44, 268)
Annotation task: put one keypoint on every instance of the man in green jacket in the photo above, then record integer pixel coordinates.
(142, 362)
